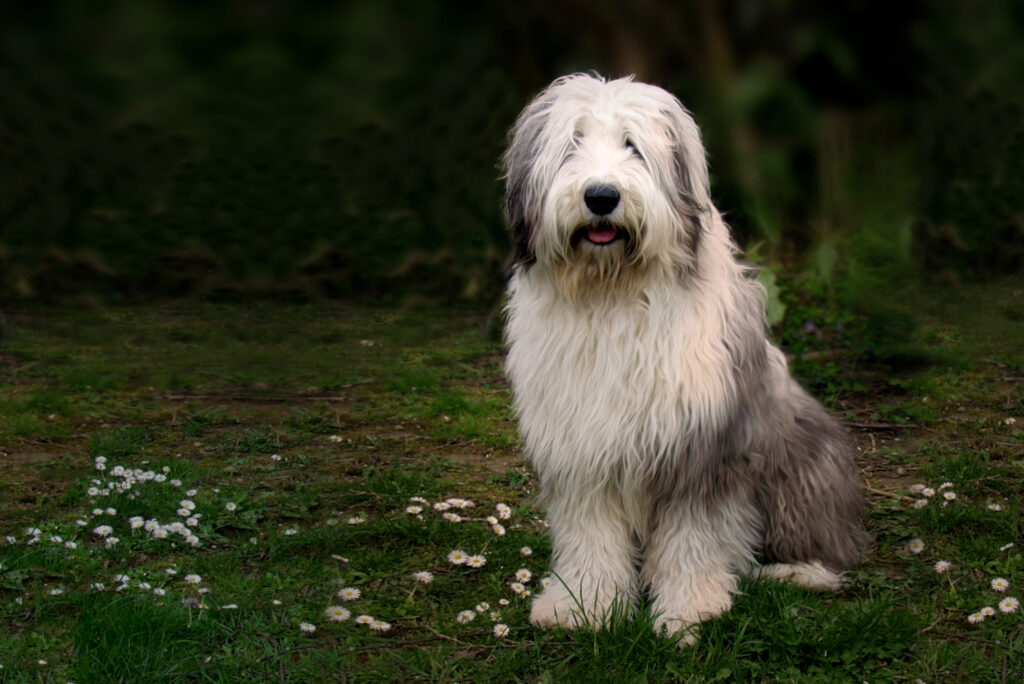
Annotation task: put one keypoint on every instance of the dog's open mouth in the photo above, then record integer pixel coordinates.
(600, 234)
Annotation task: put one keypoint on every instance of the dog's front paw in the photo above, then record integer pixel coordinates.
(682, 616)
(556, 606)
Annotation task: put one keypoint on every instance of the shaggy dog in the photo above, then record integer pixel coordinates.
(675, 452)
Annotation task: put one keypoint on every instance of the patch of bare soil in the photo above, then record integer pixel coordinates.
(35, 471)
(494, 462)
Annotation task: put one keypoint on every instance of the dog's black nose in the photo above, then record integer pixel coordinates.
(601, 199)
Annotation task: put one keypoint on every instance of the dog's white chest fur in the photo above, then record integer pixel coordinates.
(612, 383)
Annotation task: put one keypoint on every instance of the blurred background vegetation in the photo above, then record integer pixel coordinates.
(348, 149)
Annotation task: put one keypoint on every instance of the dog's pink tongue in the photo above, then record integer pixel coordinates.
(601, 235)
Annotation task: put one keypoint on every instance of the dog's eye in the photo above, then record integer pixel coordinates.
(629, 145)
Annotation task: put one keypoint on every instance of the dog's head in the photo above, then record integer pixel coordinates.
(605, 180)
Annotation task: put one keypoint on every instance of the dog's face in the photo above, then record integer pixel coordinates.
(604, 180)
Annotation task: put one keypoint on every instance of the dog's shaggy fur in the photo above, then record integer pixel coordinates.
(675, 451)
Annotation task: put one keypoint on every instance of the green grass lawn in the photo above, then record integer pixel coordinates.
(291, 442)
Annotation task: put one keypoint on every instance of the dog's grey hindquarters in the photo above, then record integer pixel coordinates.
(809, 491)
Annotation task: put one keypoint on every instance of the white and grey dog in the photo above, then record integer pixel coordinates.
(675, 452)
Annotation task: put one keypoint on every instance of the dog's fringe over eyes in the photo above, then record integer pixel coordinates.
(675, 452)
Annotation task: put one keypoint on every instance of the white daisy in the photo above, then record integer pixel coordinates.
(349, 594)
(501, 630)
(465, 616)
(337, 613)
(1009, 605)
(458, 557)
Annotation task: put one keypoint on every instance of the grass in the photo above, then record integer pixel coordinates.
(300, 433)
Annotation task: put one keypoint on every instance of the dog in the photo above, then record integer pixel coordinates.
(675, 452)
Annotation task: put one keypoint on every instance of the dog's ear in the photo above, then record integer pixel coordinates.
(692, 198)
(522, 205)
(690, 166)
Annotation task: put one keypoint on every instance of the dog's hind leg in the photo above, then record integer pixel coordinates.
(809, 497)
(813, 575)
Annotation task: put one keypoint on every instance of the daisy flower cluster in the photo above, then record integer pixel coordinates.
(341, 614)
(944, 493)
(449, 508)
(130, 482)
(460, 557)
(518, 583)
(1008, 604)
(518, 586)
(160, 585)
(338, 613)
(103, 525)
(119, 483)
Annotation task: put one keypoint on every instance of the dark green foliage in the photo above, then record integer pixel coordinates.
(349, 150)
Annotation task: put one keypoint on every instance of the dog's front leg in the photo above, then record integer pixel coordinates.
(693, 558)
(593, 562)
